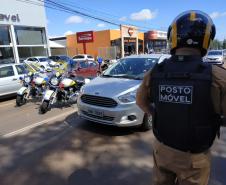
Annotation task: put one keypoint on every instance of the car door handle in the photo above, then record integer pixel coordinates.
(14, 79)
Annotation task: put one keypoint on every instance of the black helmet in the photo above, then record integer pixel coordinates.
(192, 29)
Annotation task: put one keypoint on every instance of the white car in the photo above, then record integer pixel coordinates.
(43, 61)
(82, 57)
(111, 98)
(10, 78)
(215, 57)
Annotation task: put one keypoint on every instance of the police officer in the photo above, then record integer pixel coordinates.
(189, 98)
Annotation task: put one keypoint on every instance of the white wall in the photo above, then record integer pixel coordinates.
(29, 14)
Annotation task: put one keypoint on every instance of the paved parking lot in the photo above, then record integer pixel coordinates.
(66, 150)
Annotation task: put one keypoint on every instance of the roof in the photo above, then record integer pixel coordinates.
(10, 64)
(54, 44)
(57, 38)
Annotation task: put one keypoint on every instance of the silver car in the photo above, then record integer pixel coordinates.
(215, 57)
(10, 78)
(111, 98)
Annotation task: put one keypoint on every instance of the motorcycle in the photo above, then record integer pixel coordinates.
(34, 84)
(61, 88)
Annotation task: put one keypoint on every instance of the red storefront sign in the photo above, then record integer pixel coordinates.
(83, 37)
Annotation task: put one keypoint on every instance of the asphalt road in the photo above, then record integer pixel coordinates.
(62, 149)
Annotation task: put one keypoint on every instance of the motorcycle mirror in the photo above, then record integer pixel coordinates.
(87, 81)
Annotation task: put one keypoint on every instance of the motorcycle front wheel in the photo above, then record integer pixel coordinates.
(44, 107)
(20, 100)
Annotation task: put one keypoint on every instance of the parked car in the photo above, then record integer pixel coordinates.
(215, 57)
(110, 98)
(83, 57)
(43, 61)
(58, 58)
(86, 69)
(10, 78)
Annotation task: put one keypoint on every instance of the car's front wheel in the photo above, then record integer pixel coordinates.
(147, 123)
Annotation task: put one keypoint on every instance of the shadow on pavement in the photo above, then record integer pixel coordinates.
(73, 151)
(76, 152)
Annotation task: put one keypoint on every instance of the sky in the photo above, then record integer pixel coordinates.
(147, 14)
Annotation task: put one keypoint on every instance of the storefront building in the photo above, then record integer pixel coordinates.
(155, 41)
(22, 31)
(58, 45)
(107, 44)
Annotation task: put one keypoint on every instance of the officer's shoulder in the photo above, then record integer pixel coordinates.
(159, 65)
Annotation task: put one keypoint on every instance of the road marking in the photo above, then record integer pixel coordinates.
(37, 124)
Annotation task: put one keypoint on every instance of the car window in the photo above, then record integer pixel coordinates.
(92, 64)
(215, 53)
(83, 64)
(6, 71)
(53, 58)
(132, 67)
(89, 56)
(20, 69)
(64, 58)
(43, 59)
(79, 57)
(30, 59)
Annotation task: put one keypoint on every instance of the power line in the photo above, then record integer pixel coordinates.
(100, 12)
(57, 6)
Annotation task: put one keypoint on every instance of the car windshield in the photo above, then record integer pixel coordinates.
(44, 59)
(78, 57)
(215, 53)
(131, 68)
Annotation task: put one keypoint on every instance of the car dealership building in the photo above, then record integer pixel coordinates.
(22, 31)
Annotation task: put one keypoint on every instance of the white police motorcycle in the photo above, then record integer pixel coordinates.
(34, 85)
(61, 89)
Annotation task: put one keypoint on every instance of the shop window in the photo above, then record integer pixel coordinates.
(6, 71)
(25, 52)
(4, 35)
(6, 55)
(29, 36)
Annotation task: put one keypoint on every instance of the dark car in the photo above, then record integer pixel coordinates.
(58, 58)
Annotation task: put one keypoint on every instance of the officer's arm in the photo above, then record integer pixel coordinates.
(219, 79)
(143, 94)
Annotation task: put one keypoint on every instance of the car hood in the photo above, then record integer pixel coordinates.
(214, 56)
(110, 87)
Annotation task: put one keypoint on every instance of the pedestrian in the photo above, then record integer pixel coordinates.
(187, 99)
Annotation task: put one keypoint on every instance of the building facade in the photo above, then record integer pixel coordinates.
(58, 45)
(155, 41)
(106, 43)
(22, 31)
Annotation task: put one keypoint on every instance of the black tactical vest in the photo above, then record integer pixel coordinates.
(184, 116)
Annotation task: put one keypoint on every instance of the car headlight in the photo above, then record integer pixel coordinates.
(128, 97)
(27, 79)
(220, 59)
(54, 81)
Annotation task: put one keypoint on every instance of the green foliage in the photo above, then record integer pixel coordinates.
(216, 44)
(224, 44)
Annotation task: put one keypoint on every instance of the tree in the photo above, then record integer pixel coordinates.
(224, 44)
(216, 44)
